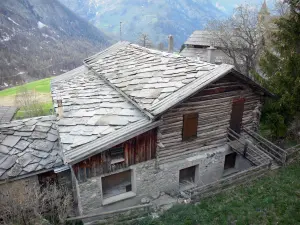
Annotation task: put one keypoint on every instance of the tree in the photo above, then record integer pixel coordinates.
(281, 66)
(144, 40)
(28, 103)
(240, 37)
(49, 205)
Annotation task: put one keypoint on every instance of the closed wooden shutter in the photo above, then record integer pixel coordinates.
(190, 125)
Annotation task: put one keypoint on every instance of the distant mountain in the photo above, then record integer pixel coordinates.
(41, 38)
(157, 18)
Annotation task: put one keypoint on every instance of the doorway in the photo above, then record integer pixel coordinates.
(237, 114)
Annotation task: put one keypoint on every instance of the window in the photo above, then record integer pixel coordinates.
(190, 125)
(117, 155)
(116, 184)
(48, 178)
(187, 176)
(230, 161)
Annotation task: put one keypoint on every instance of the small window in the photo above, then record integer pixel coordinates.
(116, 184)
(48, 178)
(117, 155)
(187, 176)
(230, 161)
(190, 125)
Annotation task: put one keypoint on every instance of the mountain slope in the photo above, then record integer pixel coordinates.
(157, 18)
(41, 38)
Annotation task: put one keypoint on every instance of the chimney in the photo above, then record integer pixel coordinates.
(211, 56)
(59, 108)
(171, 44)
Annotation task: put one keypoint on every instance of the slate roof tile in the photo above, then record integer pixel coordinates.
(11, 141)
(30, 142)
(8, 162)
(4, 149)
(22, 145)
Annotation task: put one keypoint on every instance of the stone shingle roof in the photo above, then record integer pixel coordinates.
(203, 38)
(7, 113)
(28, 146)
(147, 76)
(120, 93)
(91, 109)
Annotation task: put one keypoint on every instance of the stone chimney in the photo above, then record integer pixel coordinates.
(171, 44)
(59, 108)
(211, 55)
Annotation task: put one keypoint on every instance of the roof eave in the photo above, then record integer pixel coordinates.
(115, 138)
(254, 83)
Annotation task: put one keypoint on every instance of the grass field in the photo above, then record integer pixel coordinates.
(274, 199)
(40, 87)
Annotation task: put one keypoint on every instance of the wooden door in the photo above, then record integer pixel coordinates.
(237, 114)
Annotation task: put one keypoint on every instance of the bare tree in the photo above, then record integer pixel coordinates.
(23, 205)
(240, 37)
(29, 103)
(144, 40)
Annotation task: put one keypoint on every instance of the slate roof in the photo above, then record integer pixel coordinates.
(203, 38)
(120, 93)
(147, 76)
(92, 109)
(7, 113)
(28, 146)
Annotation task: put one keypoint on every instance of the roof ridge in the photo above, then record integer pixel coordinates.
(106, 51)
(68, 74)
(169, 55)
(146, 113)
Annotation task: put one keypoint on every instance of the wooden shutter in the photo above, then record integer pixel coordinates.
(190, 125)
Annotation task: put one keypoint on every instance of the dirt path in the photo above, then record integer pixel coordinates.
(10, 100)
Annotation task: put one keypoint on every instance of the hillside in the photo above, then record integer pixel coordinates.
(42, 38)
(156, 18)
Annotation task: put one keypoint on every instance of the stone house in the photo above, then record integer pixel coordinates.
(132, 123)
(30, 153)
(203, 46)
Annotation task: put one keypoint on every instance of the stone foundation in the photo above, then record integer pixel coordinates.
(149, 180)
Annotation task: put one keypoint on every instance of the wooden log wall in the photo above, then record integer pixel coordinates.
(214, 105)
(136, 150)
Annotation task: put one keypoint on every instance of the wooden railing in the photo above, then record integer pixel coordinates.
(227, 182)
(244, 147)
(277, 153)
(291, 152)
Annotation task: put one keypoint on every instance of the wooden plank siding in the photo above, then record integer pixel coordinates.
(214, 105)
(136, 150)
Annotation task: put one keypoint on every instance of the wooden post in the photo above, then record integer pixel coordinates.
(245, 148)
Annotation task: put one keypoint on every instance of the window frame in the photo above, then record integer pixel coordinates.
(186, 136)
(122, 196)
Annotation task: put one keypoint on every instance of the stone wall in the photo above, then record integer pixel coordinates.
(20, 187)
(151, 179)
